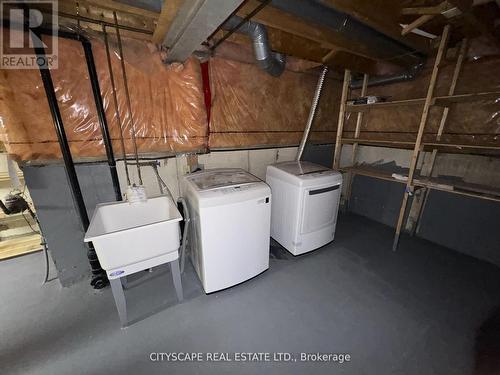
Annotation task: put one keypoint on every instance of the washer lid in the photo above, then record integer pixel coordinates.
(301, 168)
(223, 177)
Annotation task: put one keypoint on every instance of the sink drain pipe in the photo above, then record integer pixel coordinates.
(312, 112)
(181, 203)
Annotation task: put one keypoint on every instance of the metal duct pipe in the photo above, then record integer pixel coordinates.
(271, 62)
(312, 112)
(385, 80)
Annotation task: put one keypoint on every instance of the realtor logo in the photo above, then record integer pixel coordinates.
(28, 36)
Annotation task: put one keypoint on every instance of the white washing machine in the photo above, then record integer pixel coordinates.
(306, 199)
(230, 226)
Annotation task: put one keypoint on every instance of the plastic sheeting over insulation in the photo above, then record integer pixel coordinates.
(250, 108)
(167, 104)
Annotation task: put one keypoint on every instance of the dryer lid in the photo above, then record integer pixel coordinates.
(216, 178)
(300, 168)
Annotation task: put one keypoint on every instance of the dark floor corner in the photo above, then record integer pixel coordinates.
(424, 309)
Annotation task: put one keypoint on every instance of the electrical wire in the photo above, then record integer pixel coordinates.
(29, 224)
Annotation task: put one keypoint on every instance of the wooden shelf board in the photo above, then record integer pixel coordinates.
(438, 101)
(395, 103)
(462, 188)
(462, 98)
(370, 142)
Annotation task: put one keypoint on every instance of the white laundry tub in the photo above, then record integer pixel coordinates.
(132, 237)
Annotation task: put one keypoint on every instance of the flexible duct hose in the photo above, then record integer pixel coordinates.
(312, 112)
(271, 62)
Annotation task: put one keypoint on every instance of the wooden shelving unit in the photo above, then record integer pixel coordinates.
(410, 179)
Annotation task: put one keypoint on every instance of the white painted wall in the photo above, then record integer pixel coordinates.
(171, 169)
(474, 169)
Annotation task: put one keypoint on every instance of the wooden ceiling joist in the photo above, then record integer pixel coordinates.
(168, 12)
(420, 11)
(324, 37)
(92, 14)
(381, 15)
(291, 24)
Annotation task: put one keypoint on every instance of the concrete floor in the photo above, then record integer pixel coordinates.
(416, 311)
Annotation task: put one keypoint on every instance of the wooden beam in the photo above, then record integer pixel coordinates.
(283, 42)
(338, 58)
(417, 23)
(435, 10)
(168, 12)
(96, 26)
(127, 16)
(421, 128)
(340, 127)
(121, 7)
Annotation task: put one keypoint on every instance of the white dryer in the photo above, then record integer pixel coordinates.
(230, 226)
(306, 199)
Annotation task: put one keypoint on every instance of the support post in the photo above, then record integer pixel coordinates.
(357, 131)
(419, 209)
(421, 128)
(340, 127)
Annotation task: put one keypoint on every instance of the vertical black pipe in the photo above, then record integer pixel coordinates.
(99, 279)
(96, 90)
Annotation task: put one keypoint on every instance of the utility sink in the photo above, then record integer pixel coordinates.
(129, 237)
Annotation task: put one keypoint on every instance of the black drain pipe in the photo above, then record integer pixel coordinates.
(101, 115)
(96, 90)
(99, 279)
